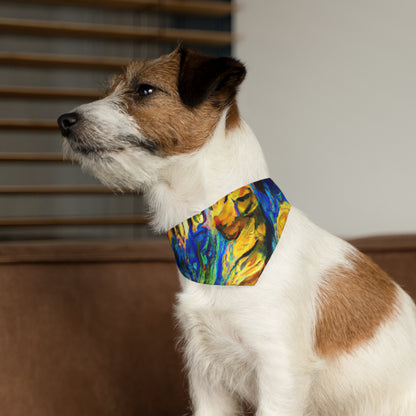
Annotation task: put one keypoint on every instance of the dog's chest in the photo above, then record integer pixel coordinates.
(215, 341)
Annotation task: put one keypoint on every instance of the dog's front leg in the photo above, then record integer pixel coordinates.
(209, 398)
(283, 384)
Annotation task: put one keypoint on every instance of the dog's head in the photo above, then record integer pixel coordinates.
(154, 111)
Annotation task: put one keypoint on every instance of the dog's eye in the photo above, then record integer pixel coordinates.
(144, 90)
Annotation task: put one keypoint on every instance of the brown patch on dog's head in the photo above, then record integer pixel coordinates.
(354, 301)
(177, 100)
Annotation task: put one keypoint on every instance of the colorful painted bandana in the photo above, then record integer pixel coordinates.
(231, 242)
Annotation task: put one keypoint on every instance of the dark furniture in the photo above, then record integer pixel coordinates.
(86, 328)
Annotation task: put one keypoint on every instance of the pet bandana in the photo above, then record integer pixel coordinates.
(231, 242)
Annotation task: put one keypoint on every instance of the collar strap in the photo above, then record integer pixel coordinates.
(231, 242)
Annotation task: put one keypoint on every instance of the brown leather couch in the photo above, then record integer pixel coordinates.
(86, 328)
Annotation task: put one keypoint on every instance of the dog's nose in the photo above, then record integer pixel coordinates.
(66, 121)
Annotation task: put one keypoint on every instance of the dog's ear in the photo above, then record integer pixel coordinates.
(202, 77)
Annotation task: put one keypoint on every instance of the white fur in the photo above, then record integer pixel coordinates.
(257, 343)
(108, 124)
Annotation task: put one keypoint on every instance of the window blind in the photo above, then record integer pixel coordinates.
(56, 55)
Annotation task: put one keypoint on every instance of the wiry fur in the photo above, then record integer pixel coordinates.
(259, 344)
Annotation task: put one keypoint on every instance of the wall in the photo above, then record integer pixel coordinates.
(331, 95)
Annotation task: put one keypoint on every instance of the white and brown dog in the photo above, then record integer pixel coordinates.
(324, 331)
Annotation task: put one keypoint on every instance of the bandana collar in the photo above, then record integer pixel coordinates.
(231, 242)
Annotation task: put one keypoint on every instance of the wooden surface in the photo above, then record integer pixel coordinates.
(202, 8)
(384, 243)
(32, 157)
(59, 61)
(95, 31)
(60, 190)
(70, 221)
(50, 93)
(85, 251)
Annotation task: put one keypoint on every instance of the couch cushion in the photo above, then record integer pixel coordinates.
(87, 329)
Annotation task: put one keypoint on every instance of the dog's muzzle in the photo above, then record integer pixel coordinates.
(66, 123)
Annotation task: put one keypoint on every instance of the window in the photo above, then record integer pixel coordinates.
(55, 55)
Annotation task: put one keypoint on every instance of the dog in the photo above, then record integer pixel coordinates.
(316, 328)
